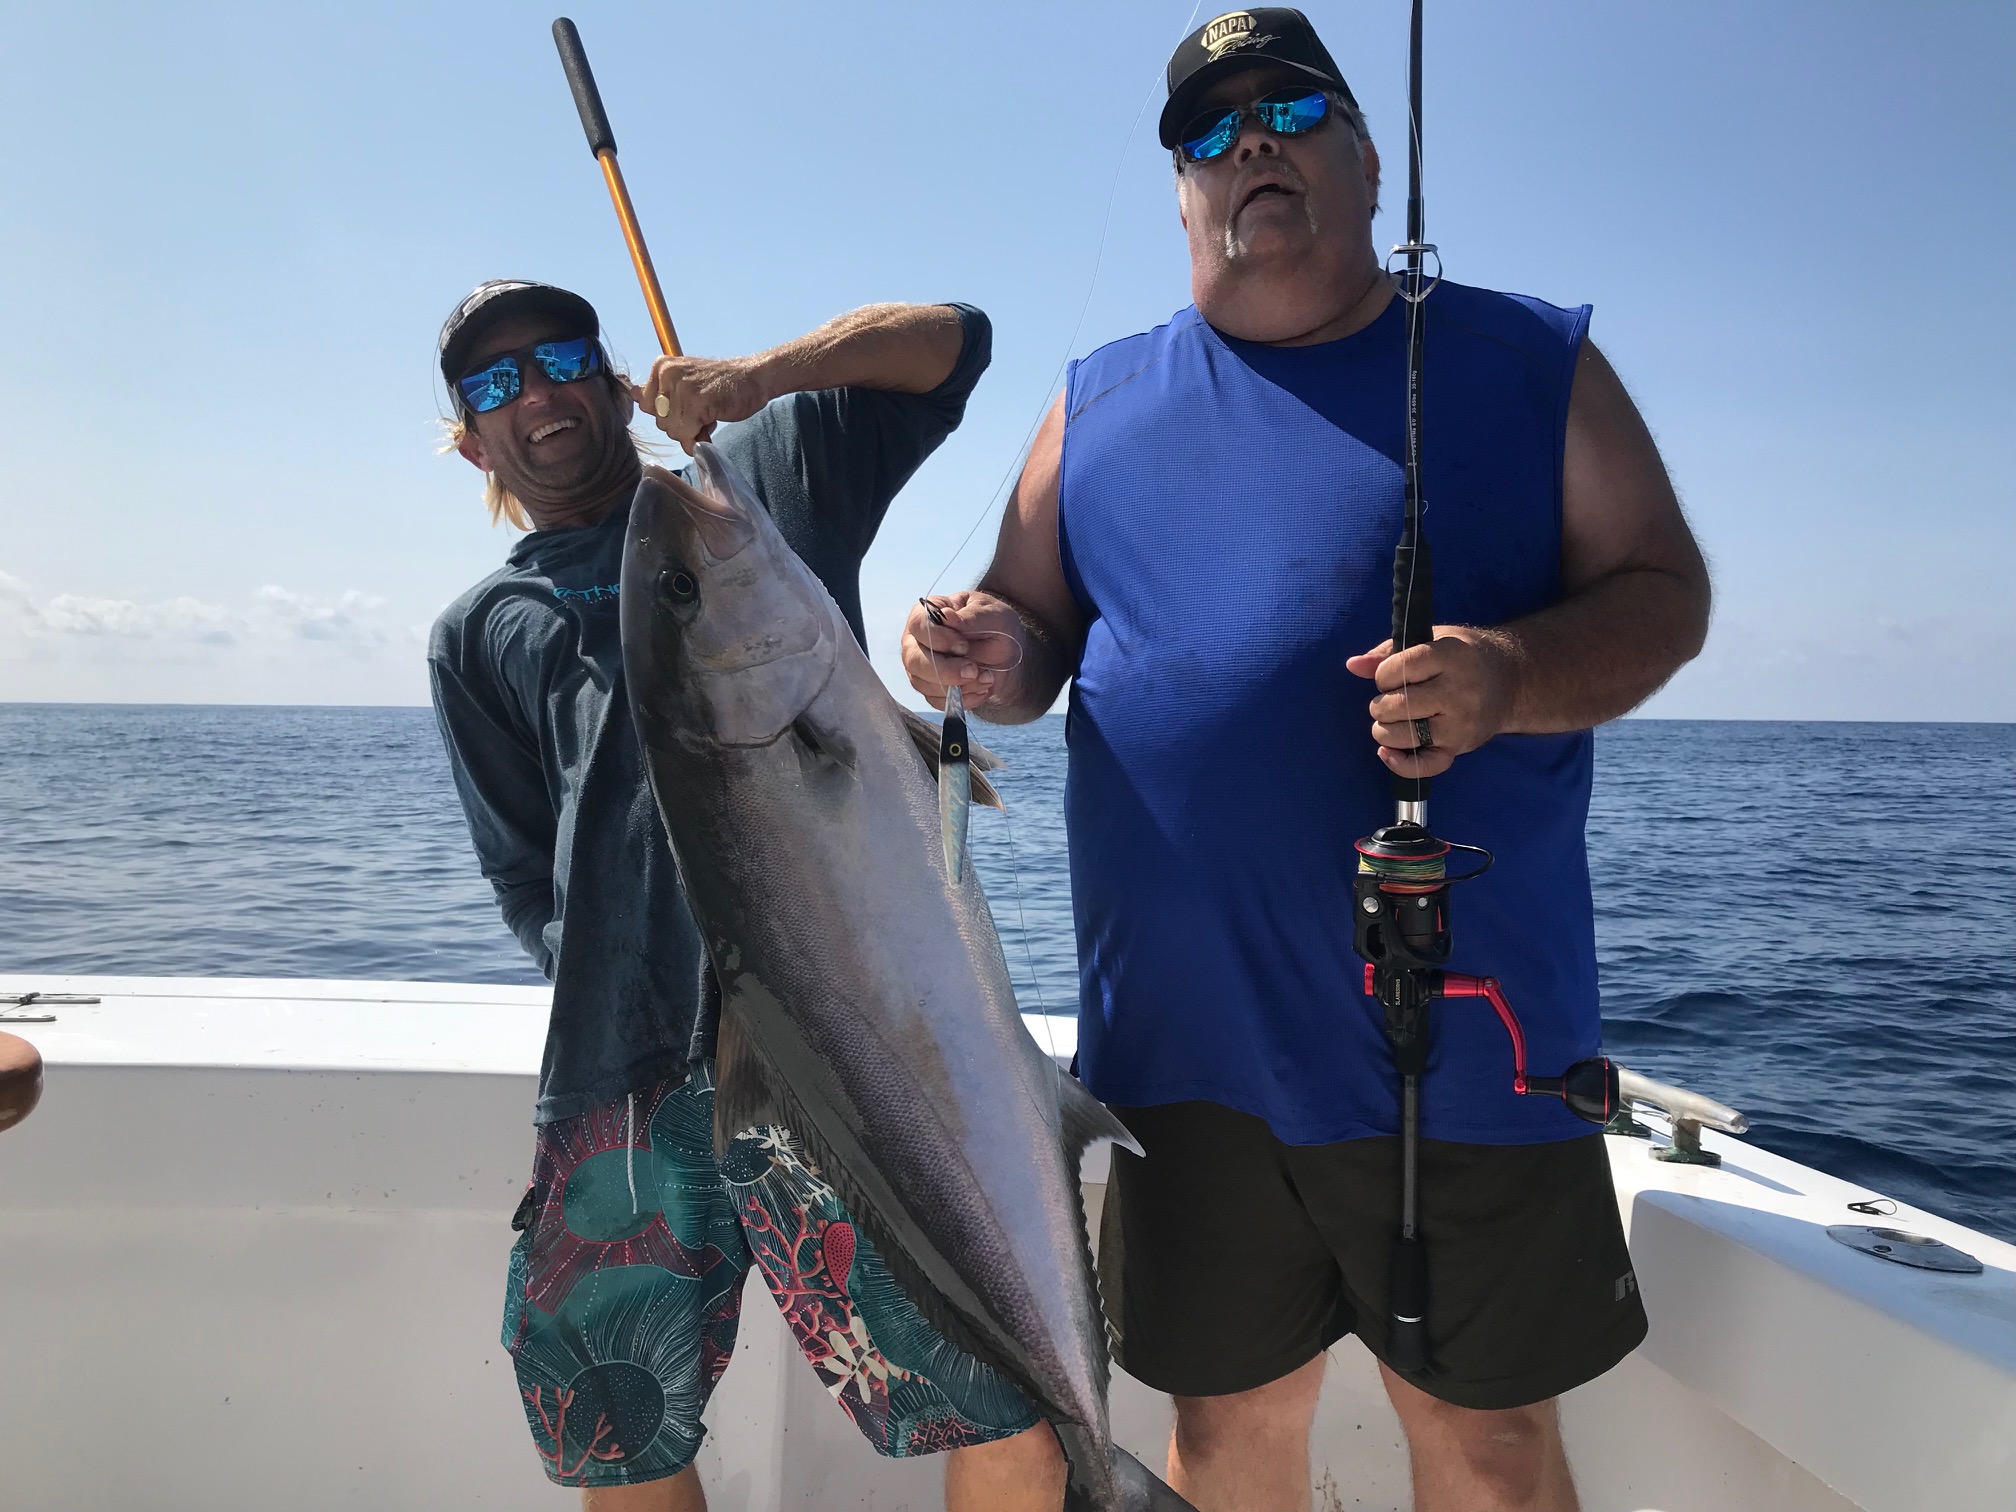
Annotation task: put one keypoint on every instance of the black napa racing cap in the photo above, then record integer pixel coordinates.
(500, 299)
(1240, 39)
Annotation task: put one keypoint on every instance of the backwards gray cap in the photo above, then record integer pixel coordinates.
(500, 299)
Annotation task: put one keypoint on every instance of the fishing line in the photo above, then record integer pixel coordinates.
(935, 617)
(1091, 287)
(1015, 464)
(1028, 955)
(935, 613)
(1415, 297)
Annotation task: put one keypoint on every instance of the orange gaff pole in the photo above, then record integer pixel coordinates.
(602, 142)
(640, 255)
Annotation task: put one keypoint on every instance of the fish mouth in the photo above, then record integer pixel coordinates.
(718, 521)
(720, 510)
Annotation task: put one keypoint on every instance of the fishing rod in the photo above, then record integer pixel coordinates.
(1401, 921)
(602, 142)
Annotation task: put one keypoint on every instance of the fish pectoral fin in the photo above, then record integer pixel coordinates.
(823, 744)
(747, 1093)
(1087, 1120)
(926, 736)
(984, 791)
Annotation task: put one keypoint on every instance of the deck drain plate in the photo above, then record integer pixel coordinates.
(1906, 1249)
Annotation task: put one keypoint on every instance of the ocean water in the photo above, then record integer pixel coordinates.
(1814, 922)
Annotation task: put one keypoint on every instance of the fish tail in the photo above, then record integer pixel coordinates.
(1127, 1485)
(1137, 1488)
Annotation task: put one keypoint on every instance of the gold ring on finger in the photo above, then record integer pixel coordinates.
(664, 406)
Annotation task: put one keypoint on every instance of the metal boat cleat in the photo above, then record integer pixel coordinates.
(1623, 1123)
(1901, 1247)
(1690, 1112)
(12, 1003)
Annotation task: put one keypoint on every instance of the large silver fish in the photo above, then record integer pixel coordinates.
(866, 1003)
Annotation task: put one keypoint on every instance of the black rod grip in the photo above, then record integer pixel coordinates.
(1413, 596)
(587, 98)
(1413, 625)
(1407, 1308)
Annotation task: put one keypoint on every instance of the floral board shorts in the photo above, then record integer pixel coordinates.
(626, 1287)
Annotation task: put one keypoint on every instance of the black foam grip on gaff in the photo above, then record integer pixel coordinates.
(1407, 1308)
(587, 98)
(1413, 625)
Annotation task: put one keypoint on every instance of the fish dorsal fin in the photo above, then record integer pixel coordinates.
(1087, 1120)
(925, 734)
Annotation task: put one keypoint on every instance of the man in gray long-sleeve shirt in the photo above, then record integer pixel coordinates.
(625, 1282)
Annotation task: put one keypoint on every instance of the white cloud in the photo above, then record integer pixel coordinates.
(351, 619)
(270, 647)
(176, 619)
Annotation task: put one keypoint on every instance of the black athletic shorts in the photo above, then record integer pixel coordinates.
(1228, 1258)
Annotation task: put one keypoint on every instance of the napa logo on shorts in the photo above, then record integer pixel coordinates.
(601, 593)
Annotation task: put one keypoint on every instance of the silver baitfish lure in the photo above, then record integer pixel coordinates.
(955, 784)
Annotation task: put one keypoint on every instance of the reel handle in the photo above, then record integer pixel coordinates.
(1589, 1087)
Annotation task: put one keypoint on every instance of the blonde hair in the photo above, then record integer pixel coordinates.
(504, 506)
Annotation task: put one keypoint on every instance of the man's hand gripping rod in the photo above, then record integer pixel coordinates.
(602, 142)
(1401, 894)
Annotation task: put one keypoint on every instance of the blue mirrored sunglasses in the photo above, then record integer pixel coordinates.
(1286, 112)
(502, 380)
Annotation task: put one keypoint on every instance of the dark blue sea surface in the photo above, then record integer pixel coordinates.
(1813, 922)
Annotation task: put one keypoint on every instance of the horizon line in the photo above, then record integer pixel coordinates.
(72, 703)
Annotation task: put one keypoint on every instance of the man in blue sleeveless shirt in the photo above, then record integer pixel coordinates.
(625, 1284)
(1202, 539)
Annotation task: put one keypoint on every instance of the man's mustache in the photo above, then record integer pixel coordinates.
(1243, 185)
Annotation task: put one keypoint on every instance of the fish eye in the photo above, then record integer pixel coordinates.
(676, 585)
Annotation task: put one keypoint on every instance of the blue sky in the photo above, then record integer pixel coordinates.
(229, 234)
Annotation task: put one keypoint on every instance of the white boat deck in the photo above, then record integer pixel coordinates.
(253, 1245)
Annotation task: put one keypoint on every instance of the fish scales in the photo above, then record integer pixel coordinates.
(781, 824)
(866, 1001)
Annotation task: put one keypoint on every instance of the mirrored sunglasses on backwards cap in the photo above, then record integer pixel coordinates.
(1285, 112)
(502, 379)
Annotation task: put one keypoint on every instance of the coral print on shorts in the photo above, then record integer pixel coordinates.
(625, 1294)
